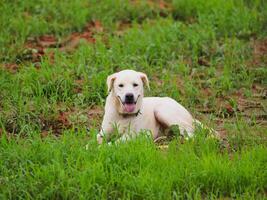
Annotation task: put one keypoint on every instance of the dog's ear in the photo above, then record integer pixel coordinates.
(144, 79)
(110, 81)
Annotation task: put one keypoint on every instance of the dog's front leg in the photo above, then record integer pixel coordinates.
(104, 133)
(133, 135)
(100, 137)
(106, 130)
(125, 137)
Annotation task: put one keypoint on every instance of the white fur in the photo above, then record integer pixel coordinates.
(155, 112)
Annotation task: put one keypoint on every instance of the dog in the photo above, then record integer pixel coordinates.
(130, 112)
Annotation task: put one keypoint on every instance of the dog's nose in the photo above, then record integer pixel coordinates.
(129, 98)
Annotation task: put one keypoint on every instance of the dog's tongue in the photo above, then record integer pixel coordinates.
(129, 107)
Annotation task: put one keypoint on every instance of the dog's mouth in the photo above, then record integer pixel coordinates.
(129, 107)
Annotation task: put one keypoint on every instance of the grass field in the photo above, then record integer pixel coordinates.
(55, 56)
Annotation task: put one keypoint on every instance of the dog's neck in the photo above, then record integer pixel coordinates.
(128, 115)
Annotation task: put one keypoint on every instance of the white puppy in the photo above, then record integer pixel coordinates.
(127, 110)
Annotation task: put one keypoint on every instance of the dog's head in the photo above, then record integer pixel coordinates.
(127, 87)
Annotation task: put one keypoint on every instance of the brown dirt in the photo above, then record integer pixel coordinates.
(160, 4)
(248, 108)
(56, 125)
(37, 47)
(95, 114)
(259, 55)
(63, 120)
(78, 86)
(11, 67)
(203, 61)
(122, 26)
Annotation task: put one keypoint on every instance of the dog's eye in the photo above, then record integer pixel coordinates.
(121, 85)
(135, 84)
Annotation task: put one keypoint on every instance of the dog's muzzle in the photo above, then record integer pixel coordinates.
(129, 104)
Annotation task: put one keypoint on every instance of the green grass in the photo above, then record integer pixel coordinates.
(208, 55)
(66, 169)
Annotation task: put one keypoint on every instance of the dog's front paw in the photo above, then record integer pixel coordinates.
(99, 138)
